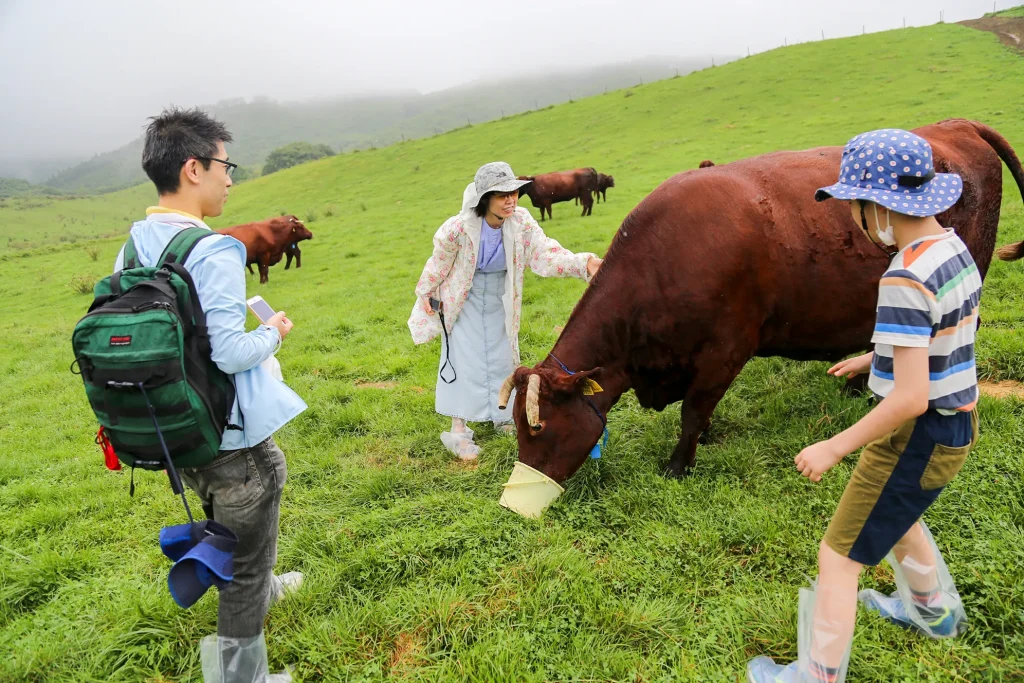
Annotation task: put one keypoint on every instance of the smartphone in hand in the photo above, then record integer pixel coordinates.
(260, 308)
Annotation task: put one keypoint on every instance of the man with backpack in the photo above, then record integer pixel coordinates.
(240, 487)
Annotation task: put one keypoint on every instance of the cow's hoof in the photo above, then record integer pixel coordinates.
(676, 470)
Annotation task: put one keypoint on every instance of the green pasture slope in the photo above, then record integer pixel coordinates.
(412, 569)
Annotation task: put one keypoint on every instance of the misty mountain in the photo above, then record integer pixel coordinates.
(262, 124)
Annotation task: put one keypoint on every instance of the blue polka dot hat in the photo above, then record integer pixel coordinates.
(894, 168)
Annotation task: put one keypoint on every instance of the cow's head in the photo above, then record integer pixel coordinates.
(555, 423)
(298, 229)
(611, 181)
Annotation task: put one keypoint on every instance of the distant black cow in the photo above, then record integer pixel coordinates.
(292, 251)
(603, 183)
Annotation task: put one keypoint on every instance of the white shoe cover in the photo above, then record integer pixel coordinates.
(813, 637)
(283, 586)
(945, 619)
(237, 660)
(461, 444)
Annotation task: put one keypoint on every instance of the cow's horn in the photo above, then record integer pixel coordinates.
(533, 401)
(506, 391)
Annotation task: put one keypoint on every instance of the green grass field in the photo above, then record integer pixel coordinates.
(413, 570)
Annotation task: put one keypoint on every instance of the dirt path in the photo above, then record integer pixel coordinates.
(1004, 389)
(1009, 29)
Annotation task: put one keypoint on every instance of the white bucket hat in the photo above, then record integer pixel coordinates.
(496, 176)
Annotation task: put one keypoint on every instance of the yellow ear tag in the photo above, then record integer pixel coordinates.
(591, 387)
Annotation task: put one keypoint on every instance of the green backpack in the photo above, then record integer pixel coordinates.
(143, 352)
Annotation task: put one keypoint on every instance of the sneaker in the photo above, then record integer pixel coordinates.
(505, 427)
(942, 621)
(765, 670)
(285, 585)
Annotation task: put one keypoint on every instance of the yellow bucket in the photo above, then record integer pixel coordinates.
(529, 492)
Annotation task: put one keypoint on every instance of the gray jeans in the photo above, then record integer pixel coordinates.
(242, 490)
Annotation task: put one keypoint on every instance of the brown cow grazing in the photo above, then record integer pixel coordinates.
(266, 241)
(603, 183)
(707, 163)
(721, 265)
(562, 186)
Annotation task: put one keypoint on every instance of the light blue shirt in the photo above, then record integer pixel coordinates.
(217, 266)
(491, 258)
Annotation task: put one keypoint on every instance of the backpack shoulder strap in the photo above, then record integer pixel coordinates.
(131, 255)
(181, 245)
(173, 259)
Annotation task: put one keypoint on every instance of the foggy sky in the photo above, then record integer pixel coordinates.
(78, 77)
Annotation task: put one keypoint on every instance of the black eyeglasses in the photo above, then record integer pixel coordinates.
(230, 166)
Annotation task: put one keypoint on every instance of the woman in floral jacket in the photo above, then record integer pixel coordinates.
(475, 278)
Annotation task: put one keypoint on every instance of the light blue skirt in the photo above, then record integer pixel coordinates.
(480, 355)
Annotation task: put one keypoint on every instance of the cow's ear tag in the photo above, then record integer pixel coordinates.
(590, 387)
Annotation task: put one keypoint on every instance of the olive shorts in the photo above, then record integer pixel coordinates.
(897, 478)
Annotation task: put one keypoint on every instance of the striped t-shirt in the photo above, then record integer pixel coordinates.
(929, 298)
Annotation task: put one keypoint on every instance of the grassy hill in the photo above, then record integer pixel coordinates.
(412, 569)
(28, 222)
(16, 187)
(262, 125)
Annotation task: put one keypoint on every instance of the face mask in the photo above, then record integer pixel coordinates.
(887, 236)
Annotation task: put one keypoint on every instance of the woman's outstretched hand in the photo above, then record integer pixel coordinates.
(593, 264)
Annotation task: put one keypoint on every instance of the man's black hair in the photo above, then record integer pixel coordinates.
(173, 138)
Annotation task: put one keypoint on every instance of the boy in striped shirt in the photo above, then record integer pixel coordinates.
(918, 437)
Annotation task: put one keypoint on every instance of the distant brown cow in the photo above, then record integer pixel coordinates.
(266, 241)
(707, 163)
(603, 183)
(562, 186)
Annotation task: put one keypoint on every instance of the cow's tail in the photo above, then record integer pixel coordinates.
(1011, 252)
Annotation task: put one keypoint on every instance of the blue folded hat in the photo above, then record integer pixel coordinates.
(894, 168)
(209, 563)
(177, 540)
(204, 556)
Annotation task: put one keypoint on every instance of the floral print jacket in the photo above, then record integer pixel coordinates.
(448, 274)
